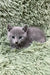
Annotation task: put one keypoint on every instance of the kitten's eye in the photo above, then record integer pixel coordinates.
(20, 37)
(13, 37)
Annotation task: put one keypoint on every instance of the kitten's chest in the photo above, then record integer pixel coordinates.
(27, 43)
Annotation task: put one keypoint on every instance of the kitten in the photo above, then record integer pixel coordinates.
(20, 37)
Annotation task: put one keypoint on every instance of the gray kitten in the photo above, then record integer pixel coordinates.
(20, 37)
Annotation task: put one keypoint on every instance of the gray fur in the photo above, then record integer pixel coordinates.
(20, 37)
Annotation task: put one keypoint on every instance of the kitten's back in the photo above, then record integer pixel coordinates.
(35, 34)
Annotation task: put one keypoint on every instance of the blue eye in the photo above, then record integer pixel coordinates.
(13, 37)
(20, 37)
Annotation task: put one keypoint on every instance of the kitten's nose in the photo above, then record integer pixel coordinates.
(16, 42)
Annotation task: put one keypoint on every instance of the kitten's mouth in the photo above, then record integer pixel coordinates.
(19, 44)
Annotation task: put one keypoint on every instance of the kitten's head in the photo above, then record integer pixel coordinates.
(17, 35)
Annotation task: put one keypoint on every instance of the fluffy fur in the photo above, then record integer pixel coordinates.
(20, 37)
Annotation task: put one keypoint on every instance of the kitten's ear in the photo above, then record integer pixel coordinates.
(9, 27)
(25, 28)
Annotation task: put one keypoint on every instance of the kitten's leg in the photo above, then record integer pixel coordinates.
(42, 40)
